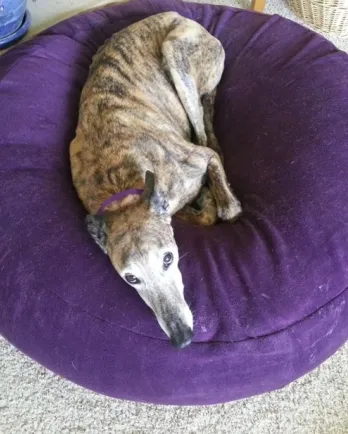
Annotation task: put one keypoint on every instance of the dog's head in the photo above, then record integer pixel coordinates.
(140, 243)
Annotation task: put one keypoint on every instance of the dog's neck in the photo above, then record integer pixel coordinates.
(121, 199)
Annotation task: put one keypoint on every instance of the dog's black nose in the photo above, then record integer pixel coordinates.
(181, 337)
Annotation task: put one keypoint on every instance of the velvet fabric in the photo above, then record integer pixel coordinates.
(268, 293)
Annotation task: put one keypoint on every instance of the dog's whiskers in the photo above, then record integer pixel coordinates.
(183, 256)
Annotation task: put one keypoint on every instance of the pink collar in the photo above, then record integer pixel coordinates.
(119, 196)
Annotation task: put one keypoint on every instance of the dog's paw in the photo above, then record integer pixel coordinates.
(230, 211)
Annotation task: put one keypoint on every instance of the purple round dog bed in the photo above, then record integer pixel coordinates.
(268, 293)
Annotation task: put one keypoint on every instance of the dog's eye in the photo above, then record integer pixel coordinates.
(132, 279)
(167, 260)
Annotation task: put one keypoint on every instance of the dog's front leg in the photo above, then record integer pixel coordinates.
(205, 215)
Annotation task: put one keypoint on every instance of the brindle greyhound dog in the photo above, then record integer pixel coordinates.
(145, 150)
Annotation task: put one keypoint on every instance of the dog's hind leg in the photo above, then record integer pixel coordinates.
(195, 61)
(208, 102)
(228, 206)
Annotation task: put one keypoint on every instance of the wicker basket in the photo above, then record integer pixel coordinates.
(330, 16)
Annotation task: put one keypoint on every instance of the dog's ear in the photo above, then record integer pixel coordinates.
(156, 200)
(96, 226)
(149, 186)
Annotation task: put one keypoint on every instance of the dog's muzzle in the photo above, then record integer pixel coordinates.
(180, 335)
(175, 318)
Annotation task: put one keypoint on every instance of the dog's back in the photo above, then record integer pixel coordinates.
(127, 77)
(128, 100)
(137, 108)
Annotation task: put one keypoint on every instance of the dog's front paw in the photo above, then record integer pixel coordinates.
(230, 210)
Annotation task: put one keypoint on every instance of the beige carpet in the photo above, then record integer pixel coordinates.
(34, 401)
